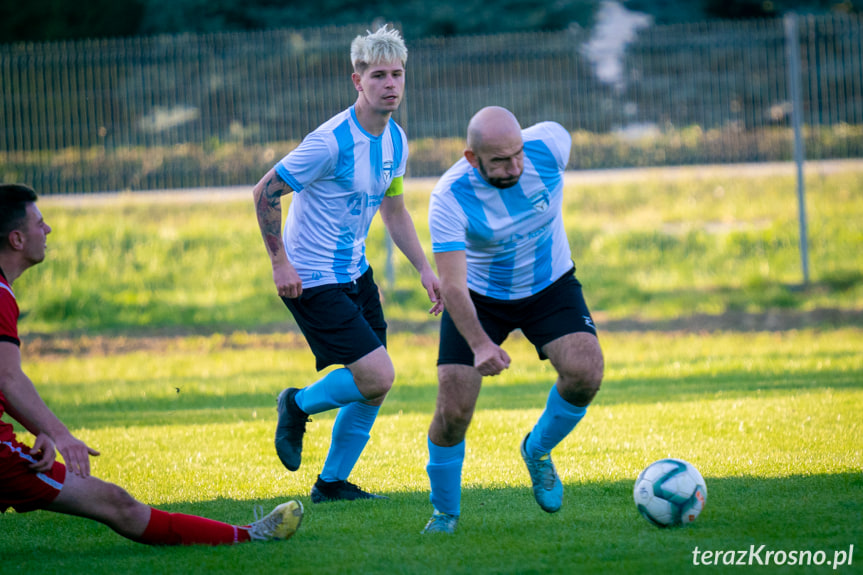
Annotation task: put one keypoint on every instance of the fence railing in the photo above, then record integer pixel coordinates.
(213, 110)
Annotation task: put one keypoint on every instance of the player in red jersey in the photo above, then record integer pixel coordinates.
(30, 477)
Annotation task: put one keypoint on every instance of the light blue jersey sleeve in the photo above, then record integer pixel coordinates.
(448, 222)
(556, 138)
(400, 148)
(313, 159)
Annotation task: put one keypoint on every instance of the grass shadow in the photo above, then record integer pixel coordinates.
(224, 400)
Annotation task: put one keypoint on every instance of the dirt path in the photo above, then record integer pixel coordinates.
(669, 173)
(287, 336)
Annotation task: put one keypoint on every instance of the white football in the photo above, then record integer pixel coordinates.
(670, 492)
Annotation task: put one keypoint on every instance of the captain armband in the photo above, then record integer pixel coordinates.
(397, 187)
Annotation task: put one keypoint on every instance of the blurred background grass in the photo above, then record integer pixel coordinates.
(652, 248)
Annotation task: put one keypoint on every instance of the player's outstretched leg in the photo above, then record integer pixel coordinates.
(547, 487)
(165, 528)
(112, 505)
(290, 429)
(280, 524)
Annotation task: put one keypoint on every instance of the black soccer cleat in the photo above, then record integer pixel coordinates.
(324, 491)
(290, 430)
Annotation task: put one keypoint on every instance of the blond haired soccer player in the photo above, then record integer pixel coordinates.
(30, 477)
(341, 175)
(505, 263)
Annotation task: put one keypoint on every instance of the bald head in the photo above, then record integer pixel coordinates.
(495, 147)
(491, 125)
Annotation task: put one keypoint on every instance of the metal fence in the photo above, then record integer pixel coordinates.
(213, 110)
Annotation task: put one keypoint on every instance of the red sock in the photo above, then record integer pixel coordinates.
(178, 529)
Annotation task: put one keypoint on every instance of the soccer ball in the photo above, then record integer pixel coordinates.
(670, 492)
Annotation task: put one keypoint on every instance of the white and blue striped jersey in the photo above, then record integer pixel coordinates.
(514, 239)
(339, 175)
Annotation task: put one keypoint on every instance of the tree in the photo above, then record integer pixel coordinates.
(46, 20)
(50, 20)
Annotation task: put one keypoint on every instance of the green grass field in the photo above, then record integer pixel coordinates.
(140, 300)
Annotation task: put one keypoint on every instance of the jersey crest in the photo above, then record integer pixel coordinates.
(389, 169)
(540, 201)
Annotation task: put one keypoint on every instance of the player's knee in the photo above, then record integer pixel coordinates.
(454, 423)
(121, 510)
(581, 382)
(119, 499)
(587, 374)
(583, 396)
(385, 379)
(376, 383)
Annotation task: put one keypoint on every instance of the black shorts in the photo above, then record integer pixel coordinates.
(556, 311)
(341, 322)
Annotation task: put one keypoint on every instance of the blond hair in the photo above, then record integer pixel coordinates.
(383, 45)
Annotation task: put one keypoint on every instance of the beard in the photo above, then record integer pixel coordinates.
(500, 183)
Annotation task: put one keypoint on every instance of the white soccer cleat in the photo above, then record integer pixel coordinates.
(280, 524)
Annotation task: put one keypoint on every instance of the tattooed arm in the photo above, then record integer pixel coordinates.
(268, 207)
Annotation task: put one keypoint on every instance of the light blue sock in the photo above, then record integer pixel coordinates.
(336, 389)
(559, 418)
(350, 435)
(444, 470)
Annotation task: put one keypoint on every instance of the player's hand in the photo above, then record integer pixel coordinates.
(432, 284)
(44, 453)
(76, 454)
(288, 282)
(490, 359)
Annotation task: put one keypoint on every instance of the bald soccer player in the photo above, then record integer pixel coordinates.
(504, 263)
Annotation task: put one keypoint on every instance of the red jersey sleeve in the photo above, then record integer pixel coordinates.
(8, 314)
(8, 332)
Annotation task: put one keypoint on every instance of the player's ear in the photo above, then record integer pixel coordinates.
(16, 239)
(471, 158)
(356, 78)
